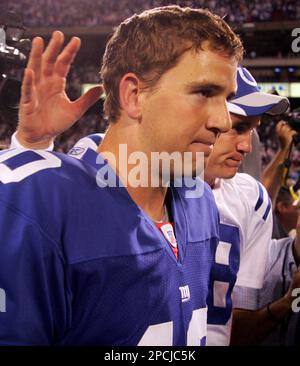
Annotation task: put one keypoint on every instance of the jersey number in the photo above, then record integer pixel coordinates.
(223, 275)
(9, 175)
(162, 334)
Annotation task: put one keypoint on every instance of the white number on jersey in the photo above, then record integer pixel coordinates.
(162, 334)
(223, 275)
(8, 175)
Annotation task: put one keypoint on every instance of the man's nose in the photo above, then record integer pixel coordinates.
(245, 143)
(219, 120)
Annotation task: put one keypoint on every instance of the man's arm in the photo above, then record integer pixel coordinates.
(251, 327)
(45, 109)
(272, 174)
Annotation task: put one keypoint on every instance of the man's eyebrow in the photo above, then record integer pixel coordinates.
(244, 124)
(241, 124)
(209, 86)
(214, 88)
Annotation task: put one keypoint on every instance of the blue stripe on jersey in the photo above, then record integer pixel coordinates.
(203, 342)
(22, 159)
(96, 138)
(260, 198)
(267, 210)
(90, 157)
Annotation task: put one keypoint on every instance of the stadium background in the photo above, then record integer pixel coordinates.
(265, 28)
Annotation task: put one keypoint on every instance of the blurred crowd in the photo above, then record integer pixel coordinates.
(270, 145)
(91, 13)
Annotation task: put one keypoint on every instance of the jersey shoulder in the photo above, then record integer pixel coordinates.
(90, 142)
(35, 182)
(254, 193)
(21, 166)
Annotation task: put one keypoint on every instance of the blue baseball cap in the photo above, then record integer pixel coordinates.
(250, 101)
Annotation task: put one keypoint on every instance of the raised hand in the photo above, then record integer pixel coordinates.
(45, 109)
(285, 134)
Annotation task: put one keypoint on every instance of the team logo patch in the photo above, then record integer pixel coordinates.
(185, 293)
(77, 151)
(168, 232)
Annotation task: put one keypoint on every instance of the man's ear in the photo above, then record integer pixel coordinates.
(129, 95)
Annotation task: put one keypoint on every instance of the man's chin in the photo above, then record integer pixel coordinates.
(228, 173)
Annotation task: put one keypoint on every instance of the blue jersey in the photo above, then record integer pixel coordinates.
(245, 230)
(84, 265)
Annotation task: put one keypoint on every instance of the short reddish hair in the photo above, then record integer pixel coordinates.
(151, 43)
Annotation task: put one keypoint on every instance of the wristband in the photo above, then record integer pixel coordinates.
(15, 144)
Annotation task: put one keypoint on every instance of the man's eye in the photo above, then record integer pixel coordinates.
(243, 129)
(239, 129)
(205, 93)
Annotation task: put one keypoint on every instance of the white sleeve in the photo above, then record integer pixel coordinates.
(281, 255)
(15, 144)
(257, 236)
(278, 278)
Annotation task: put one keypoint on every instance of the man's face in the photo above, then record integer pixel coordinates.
(187, 108)
(231, 148)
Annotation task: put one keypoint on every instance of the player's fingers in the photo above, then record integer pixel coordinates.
(82, 104)
(27, 86)
(28, 93)
(50, 55)
(280, 125)
(287, 130)
(66, 57)
(35, 57)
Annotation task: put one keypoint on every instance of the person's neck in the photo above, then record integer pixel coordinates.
(209, 178)
(150, 199)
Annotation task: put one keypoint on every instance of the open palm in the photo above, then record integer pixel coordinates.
(45, 109)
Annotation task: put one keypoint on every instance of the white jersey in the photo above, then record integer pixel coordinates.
(242, 253)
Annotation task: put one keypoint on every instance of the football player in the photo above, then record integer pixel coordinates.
(245, 214)
(243, 255)
(86, 264)
(244, 206)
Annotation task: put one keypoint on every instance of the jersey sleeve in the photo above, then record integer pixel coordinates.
(278, 277)
(90, 142)
(257, 235)
(34, 304)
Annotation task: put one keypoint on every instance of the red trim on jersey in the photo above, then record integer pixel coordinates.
(168, 231)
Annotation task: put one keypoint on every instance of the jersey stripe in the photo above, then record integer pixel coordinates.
(90, 142)
(260, 198)
(96, 138)
(267, 210)
(264, 204)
